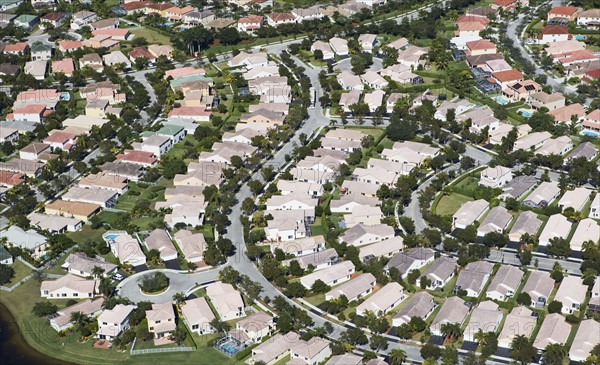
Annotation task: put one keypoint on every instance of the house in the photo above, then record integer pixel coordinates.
(347, 203)
(568, 113)
(366, 215)
(497, 220)
(589, 17)
(197, 315)
(575, 199)
(116, 58)
(357, 288)
(287, 187)
(36, 68)
(160, 240)
(339, 46)
(112, 322)
(361, 234)
(359, 188)
(249, 60)
(420, 305)
(563, 12)
(386, 248)
(5, 257)
(454, 310)
(349, 81)
(319, 260)
(521, 90)
(367, 42)
(495, 177)
(253, 328)
(543, 195)
(276, 19)
(519, 322)
(81, 265)
(8, 135)
(64, 66)
(250, 23)
(519, 186)
(26, 21)
(161, 319)
(270, 352)
(554, 33)
(33, 151)
(126, 249)
(592, 121)
(440, 272)
(485, 317)
(27, 167)
(383, 301)
(300, 246)
(192, 245)
(54, 224)
(473, 277)
(29, 240)
(469, 213)
(480, 47)
(293, 201)
(69, 286)
(541, 99)
(79, 210)
(571, 294)
(82, 18)
(226, 300)
(89, 308)
(587, 230)
(335, 274)
(505, 78)
(345, 359)
(539, 285)
(505, 283)
(587, 337)
(554, 329)
(374, 81)
(556, 226)
(411, 260)
(19, 48)
(527, 222)
(374, 100)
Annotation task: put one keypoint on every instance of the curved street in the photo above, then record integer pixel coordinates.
(179, 282)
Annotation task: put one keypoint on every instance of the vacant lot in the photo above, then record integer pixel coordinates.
(449, 204)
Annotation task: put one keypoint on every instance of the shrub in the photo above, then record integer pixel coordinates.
(154, 282)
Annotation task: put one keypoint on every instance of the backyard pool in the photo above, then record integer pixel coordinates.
(229, 346)
(110, 236)
(500, 100)
(580, 37)
(526, 113)
(589, 133)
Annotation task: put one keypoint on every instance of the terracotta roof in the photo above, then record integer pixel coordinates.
(66, 44)
(10, 178)
(30, 109)
(251, 19)
(480, 44)
(17, 47)
(509, 75)
(140, 52)
(277, 17)
(504, 2)
(555, 29)
(563, 10)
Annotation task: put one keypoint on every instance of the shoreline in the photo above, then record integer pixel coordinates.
(14, 348)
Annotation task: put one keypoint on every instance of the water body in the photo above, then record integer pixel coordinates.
(14, 350)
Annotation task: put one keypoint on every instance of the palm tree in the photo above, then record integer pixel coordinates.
(480, 337)
(554, 354)
(451, 331)
(97, 271)
(397, 356)
(179, 298)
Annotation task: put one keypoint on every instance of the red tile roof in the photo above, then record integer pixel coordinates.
(504, 2)
(137, 156)
(140, 52)
(30, 109)
(17, 47)
(9, 178)
(509, 75)
(480, 44)
(563, 10)
(555, 29)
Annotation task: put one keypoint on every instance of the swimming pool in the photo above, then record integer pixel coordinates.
(589, 133)
(526, 113)
(229, 346)
(111, 237)
(500, 100)
(580, 37)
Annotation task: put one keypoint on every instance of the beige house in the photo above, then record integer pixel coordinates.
(497, 220)
(79, 210)
(421, 305)
(333, 275)
(557, 226)
(383, 301)
(161, 319)
(554, 329)
(527, 222)
(354, 289)
(469, 213)
(454, 310)
(588, 336)
(253, 328)
(485, 317)
(571, 293)
(226, 300)
(519, 322)
(539, 286)
(361, 234)
(69, 287)
(505, 283)
(575, 199)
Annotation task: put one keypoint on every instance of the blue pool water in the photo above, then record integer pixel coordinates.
(579, 37)
(589, 133)
(229, 348)
(525, 113)
(500, 100)
(111, 237)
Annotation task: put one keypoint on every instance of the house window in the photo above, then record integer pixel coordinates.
(45, 292)
(75, 294)
(195, 327)
(63, 295)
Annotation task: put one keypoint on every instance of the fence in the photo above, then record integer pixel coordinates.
(158, 350)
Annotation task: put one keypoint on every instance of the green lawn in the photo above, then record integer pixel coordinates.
(21, 271)
(152, 36)
(449, 204)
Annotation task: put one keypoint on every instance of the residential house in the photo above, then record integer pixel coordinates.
(554, 33)
(287, 187)
(357, 288)
(469, 213)
(554, 330)
(333, 275)
(349, 81)
(496, 221)
(198, 315)
(54, 224)
(587, 337)
(69, 286)
(300, 246)
(192, 245)
(37, 69)
(589, 17)
(250, 23)
(532, 141)
(161, 320)
(595, 208)
(367, 42)
(253, 328)
(527, 222)
(361, 234)
(276, 19)
(592, 121)
(543, 195)
(575, 199)
(485, 317)
(26, 21)
(541, 99)
(383, 300)
(81, 265)
(519, 322)
(113, 321)
(339, 46)
(319, 260)
(539, 285)
(90, 308)
(126, 249)
(587, 230)
(226, 300)
(556, 226)
(421, 305)
(563, 12)
(386, 248)
(79, 210)
(495, 177)
(345, 359)
(568, 113)
(571, 294)
(480, 47)
(29, 240)
(411, 260)
(505, 283)
(160, 240)
(454, 310)
(272, 351)
(440, 272)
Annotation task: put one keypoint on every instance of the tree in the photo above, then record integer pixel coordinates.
(451, 331)
(354, 336)
(430, 350)
(295, 290)
(6, 274)
(378, 343)
(179, 335)
(524, 299)
(449, 355)
(557, 272)
(495, 239)
(359, 110)
(179, 297)
(97, 271)
(319, 287)
(559, 247)
(43, 309)
(554, 354)
(219, 326)
(397, 356)
(154, 282)
(522, 350)
(555, 306)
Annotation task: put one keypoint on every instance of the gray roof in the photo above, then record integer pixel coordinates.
(29, 239)
(315, 259)
(586, 149)
(441, 268)
(473, 275)
(507, 278)
(519, 186)
(527, 222)
(4, 254)
(403, 260)
(353, 288)
(417, 306)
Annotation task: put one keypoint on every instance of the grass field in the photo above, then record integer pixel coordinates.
(449, 204)
(21, 271)
(152, 36)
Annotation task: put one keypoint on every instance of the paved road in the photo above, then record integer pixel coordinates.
(178, 283)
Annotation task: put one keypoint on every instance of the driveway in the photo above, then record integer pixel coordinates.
(179, 282)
